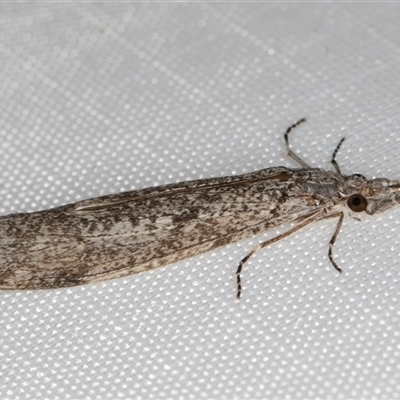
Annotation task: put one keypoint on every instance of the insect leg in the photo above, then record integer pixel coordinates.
(310, 219)
(294, 156)
(333, 240)
(333, 161)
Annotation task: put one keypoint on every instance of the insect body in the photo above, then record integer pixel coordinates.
(122, 234)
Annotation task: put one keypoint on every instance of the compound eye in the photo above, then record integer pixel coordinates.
(357, 203)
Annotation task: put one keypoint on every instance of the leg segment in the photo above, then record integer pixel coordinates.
(333, 240)
(333, 161)
(294, 156)
(309, 220)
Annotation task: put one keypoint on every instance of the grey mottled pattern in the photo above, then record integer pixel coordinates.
(118, 235)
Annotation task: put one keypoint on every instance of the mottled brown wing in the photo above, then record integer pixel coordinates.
(122, 234)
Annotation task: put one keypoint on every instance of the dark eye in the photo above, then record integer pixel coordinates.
(357, 203)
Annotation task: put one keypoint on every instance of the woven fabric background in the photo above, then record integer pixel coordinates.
(98, 98)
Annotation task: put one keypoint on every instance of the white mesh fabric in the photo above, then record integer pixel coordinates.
(108, 97)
